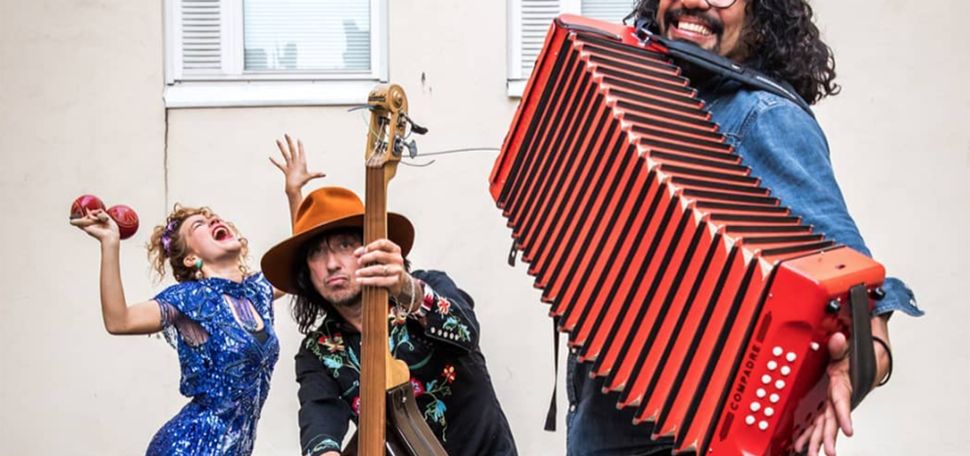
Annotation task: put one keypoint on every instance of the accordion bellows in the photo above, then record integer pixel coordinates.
(694, 293)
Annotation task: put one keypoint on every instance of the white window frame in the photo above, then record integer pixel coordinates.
(234, 88)
(516, 80)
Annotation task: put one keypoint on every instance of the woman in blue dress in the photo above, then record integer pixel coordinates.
(219, 316)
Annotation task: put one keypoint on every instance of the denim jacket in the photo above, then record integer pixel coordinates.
(785, 147)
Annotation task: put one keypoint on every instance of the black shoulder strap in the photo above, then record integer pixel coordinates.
(721, 66)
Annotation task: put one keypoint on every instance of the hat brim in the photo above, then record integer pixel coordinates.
(279, 262)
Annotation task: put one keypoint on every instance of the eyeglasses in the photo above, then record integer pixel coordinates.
(721, 4)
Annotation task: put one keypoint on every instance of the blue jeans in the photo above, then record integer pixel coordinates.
(594, 427)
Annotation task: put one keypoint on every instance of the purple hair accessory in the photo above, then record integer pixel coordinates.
(167, 236)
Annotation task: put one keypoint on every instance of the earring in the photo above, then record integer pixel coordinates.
(198, 268)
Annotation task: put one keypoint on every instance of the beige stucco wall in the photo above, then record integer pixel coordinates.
(81, 111)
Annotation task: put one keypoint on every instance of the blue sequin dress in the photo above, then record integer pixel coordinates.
(226, 372)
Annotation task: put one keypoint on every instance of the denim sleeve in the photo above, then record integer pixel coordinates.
(786, 148)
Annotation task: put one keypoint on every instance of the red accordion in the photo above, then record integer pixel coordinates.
(697, 295)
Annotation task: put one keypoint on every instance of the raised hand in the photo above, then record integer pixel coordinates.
(98, 225)
(294, 165)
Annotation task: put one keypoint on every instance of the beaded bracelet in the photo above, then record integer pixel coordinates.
(889, 354)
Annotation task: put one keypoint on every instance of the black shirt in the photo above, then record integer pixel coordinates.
(448, 374)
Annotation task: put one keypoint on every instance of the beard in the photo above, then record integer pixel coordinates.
(348, 300)
(672, 17)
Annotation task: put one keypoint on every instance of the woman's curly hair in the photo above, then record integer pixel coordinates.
(782, 42)
(167, 245)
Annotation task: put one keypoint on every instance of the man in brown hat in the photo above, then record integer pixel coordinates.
(431, 323)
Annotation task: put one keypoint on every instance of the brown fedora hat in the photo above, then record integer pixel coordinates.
(322, 210)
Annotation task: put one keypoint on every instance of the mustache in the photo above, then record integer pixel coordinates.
(672, 16)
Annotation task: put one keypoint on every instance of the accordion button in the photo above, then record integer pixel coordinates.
(772, 365)
(785, 370)
(774, 398)
(769, 411)
(763, 425)
(766, 379)
(755, 406)
(749, 420)
(791, 357)
(815, 346)
(780, 384)
(760, 393)
(777, 351)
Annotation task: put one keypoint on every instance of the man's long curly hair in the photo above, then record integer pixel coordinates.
(782, 42)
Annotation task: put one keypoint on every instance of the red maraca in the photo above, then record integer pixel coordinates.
(89, 202)
(126, 218)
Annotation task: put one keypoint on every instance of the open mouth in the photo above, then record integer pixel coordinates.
(221, 233)
(693, 27)
(691, 23)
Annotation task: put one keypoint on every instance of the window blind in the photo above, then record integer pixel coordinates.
(201, 25)
(319, 36)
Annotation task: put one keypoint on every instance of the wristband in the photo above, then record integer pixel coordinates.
(889, 354)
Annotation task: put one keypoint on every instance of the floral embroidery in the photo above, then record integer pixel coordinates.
(448, 373)
(417, 386)
(444, 307)
(398, 337)
(452, 324)
(325, 444)
(336, 356)
(435, 410)
(333, 343)
(337, 353)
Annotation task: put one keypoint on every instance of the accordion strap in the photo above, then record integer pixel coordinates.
(551, 413)
(721, 66)
(862, 355)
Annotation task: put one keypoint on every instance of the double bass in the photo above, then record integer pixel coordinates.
(389, 421)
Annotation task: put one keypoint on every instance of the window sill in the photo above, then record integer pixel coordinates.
(516, 87)
(231, 94)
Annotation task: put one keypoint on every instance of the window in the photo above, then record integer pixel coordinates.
(274, 52)
(529, 21)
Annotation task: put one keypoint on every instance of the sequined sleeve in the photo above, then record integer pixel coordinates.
(175, 325)
(169, 314)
